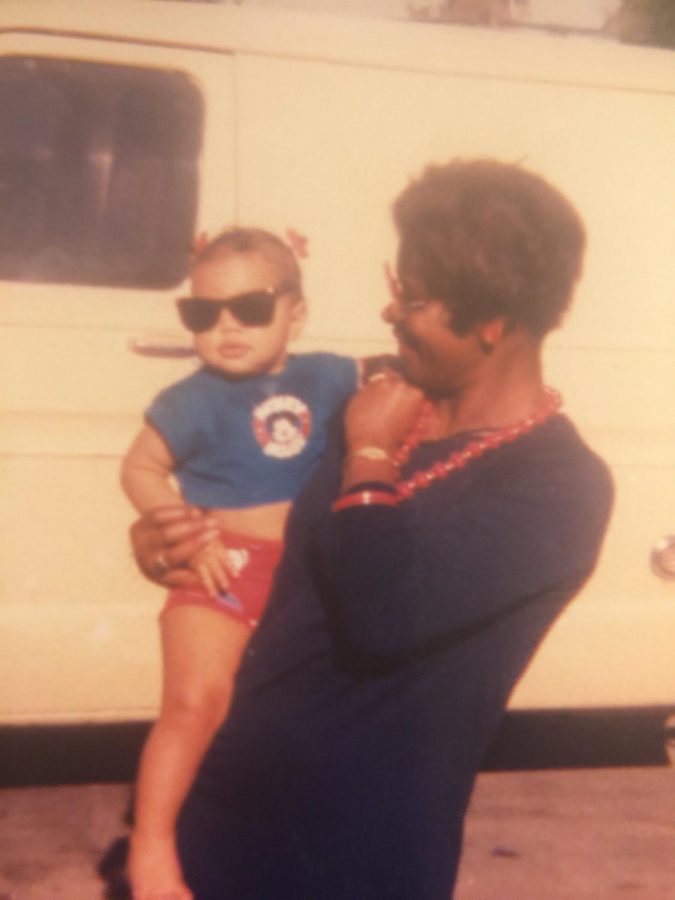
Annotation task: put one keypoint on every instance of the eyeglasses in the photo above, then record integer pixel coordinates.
(254, 308)
(406, 297)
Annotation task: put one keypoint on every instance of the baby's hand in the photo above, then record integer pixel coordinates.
(212, 565)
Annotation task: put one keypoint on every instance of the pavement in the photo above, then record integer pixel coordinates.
(581, 834)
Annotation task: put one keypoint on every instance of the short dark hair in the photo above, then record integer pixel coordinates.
(252, 240)
(491, 239)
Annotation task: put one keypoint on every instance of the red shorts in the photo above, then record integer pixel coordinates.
(255, 561)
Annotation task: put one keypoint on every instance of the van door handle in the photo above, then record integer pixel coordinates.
(662, 557)
(166, 346)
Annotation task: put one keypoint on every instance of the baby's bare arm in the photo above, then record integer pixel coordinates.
(146, 472)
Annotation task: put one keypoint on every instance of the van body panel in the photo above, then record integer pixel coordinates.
(315, 123)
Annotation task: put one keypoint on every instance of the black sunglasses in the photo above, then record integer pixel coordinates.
(252, 308)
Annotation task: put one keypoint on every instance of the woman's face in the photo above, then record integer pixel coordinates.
(434, 357)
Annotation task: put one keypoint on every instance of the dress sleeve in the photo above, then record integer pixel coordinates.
(402, 579)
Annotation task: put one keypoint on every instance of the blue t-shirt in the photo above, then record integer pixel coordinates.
(245, 442)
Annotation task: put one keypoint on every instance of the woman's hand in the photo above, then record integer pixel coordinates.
(377, 421)
(382, 413)
(165, 540)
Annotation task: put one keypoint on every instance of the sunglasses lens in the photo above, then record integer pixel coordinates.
(198, 315)
(256, 308)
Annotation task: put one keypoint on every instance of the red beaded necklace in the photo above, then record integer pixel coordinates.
(475, 448)
(457, 460)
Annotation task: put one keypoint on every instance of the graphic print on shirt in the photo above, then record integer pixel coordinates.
(282, 425)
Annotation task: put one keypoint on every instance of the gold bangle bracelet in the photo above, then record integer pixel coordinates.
(377, 454)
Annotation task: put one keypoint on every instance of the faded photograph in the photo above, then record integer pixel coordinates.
(337, 449)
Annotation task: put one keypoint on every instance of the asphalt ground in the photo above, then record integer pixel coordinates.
(581, 834)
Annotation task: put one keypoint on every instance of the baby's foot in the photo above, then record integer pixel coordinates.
(154, 870)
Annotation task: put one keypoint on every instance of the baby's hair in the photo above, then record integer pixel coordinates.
(252, 240)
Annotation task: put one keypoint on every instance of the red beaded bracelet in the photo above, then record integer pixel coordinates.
(365, 498)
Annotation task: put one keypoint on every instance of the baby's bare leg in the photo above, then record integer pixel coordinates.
(201, 651)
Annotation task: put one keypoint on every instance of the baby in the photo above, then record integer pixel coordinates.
(240, 436)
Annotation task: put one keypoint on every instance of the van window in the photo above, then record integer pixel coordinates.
(98, 172)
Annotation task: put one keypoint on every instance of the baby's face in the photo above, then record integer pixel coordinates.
(234, 348)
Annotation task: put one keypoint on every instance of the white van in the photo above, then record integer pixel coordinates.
(128, 127)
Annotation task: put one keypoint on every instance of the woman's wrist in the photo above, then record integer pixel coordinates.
(357, 468)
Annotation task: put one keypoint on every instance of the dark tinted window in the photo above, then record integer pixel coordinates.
(98, 172)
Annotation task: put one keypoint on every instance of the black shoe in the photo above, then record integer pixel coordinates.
(112, 869)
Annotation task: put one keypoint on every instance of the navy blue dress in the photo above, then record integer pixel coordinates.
(379, 673)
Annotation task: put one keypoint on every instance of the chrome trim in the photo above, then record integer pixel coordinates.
(662, 557)
(163, 346)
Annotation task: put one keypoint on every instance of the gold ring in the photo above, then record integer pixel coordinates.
(160, 566)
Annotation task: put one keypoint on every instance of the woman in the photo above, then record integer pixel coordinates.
(449, 524)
